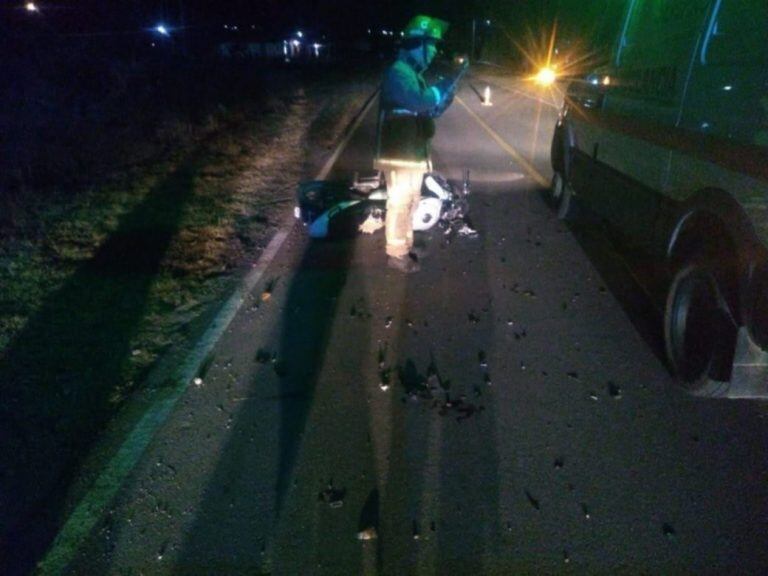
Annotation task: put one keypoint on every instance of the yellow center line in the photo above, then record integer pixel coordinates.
(516, 156)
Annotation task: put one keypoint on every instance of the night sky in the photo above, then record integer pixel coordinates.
(345, 17)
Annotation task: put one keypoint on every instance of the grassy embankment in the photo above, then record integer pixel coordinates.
(99, 282)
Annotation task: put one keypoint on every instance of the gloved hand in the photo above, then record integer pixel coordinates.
(446, 88)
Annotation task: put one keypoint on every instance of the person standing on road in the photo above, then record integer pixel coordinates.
(407, 108)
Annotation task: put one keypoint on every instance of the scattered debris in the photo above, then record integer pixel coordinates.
(367, 534)
(566, 557)
(415, 530)
(388, 321)
(334, 497)
(467, 231)
(268, 289)
(198, 382)
(533, 501)
(161, 551)
(360, 310)
(585, 511)
(482, 359)
(593, 396)
(264, 356)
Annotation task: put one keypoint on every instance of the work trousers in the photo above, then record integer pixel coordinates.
(403, 195)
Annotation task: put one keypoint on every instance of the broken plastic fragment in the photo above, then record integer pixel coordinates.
(367, 534)
(371, 224)
(334, 497)
(198, 382)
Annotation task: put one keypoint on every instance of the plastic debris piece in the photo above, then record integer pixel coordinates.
(388, 321)
(467, 231)
(533, 501)
(371, 224)
(198, 382)
(334, 497)
(367, 534)
(415, 529)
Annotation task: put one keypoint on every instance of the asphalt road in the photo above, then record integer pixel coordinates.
(530, 425)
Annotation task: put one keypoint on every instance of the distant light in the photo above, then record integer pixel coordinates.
(546, 77)
(606, 80)
(234, 27)
(369, 30)
(300, 34)
(402, 34)
(160, 29)
(488, 22)
(727, 87)
(296, 43)
(226, 27)
(31, 7)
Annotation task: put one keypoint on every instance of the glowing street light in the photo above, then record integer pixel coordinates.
(31, 7)
(162, 30)
(546, 76)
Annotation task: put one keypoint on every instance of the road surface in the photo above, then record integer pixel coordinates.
(529, 425)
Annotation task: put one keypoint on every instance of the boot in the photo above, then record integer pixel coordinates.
(404, 264)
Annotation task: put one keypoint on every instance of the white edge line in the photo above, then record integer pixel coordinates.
(91, 507)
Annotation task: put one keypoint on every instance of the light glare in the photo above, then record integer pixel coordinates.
(546, 76)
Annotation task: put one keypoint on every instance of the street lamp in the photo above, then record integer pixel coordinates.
(31, 7)
(162, 30)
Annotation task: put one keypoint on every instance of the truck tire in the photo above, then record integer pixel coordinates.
(696, 330)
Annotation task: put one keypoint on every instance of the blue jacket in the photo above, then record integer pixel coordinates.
(405, 107)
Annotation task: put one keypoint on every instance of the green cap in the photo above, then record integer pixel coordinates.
(426, 27)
